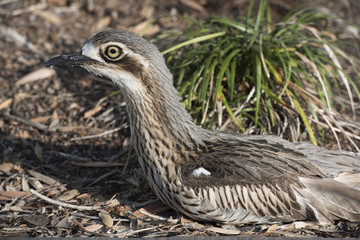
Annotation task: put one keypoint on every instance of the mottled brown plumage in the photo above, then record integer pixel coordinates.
(220, 177)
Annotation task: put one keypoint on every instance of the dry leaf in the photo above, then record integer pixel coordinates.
(150, 30)
(24, 184)
(84, 196)
(23, 134)
(93, 111)
(49, 16)
(54, 123)
(41, 119)
(139, 214)
(38, 151)
(224, 230)
(93, 228)
(101, 24)
(69, 128)
(54, 104)
(184, 220)
(271, 229)
(9, 195)
(147, 11)
(6, 104)
(54, 115)
(21, 96)
(52, 193)
(37, 75)
(63, 223)
(111, 203)
(37, 220)
(188, 222)
(106, 219)
(7, 167)
(54, 120)
(35, 183)
(43, 178)
(16, 209)
(54, 220)
(194, 5)
(68, 195)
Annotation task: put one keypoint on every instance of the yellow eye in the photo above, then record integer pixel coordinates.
(113, 52)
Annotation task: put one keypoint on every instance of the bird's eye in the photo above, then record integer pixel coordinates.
(113, 52)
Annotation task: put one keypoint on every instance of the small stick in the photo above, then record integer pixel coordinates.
(170, 220)
(26, 122)
(66, 205)
(100, 134)
(123, 235)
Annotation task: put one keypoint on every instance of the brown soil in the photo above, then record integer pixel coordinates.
(49, 122)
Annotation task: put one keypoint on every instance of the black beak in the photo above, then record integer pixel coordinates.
(69, 60)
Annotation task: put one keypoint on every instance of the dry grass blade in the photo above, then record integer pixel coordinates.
(333, 57)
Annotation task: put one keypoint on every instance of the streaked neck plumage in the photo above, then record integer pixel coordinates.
(158, 118)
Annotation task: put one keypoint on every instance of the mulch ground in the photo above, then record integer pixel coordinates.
(66, 163)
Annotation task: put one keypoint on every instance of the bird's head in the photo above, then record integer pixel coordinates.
(121, 56)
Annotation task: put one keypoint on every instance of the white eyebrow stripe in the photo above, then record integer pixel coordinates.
(201, 171)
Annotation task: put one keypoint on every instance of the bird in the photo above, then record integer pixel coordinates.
(219, 177)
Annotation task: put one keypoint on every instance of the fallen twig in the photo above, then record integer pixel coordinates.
(26, 122)
(66, 205)
(125, 125)
(170, 220)
(128, 234)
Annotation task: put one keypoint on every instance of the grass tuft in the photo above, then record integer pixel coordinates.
(264, 77)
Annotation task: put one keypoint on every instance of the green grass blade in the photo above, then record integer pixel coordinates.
(306, 122)
(194, 40)
(228, 109)
(258, 77)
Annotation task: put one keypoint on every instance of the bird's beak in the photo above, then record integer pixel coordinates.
(69, 60)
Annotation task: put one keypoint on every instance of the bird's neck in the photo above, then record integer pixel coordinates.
(163, 133)
(162, 119)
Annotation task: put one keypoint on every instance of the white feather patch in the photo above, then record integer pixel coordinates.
(123, 79)
(201, 171)
(91, 51)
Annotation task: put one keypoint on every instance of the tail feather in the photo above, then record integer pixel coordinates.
(352, 179)
(331, 200)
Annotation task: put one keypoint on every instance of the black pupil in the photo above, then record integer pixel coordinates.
(113, 51)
